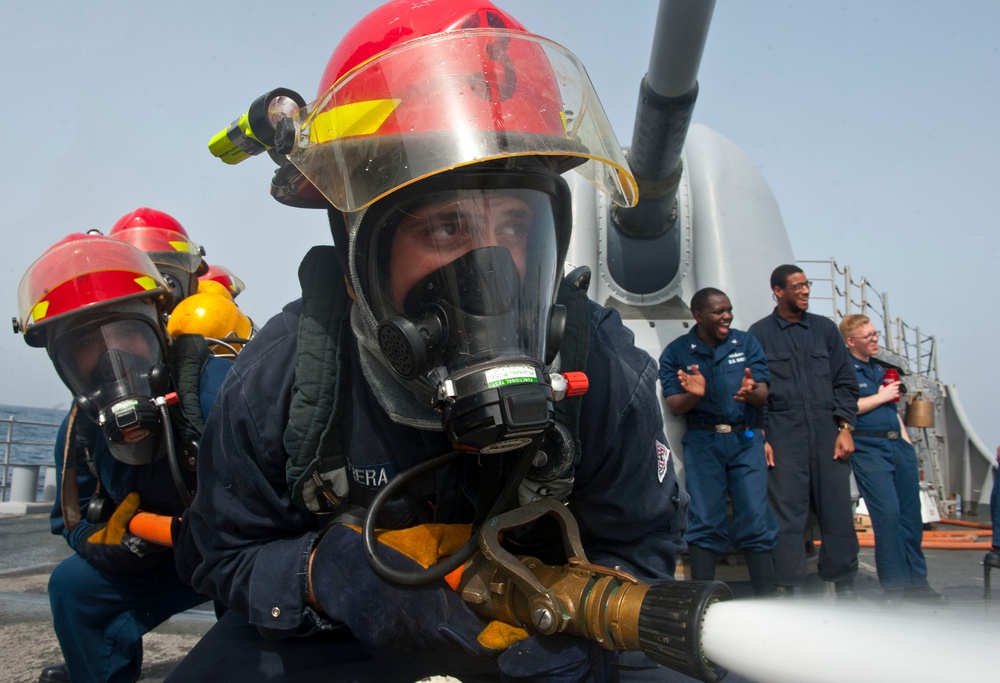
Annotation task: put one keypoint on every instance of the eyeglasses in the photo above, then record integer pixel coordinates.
(799, 286)
(869, 337)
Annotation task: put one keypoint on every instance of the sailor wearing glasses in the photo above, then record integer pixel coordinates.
(811, 409)
(885, 467)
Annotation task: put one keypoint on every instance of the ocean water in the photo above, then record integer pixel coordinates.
(17, 431)
(22, 443)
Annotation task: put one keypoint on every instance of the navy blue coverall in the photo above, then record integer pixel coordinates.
(100, 615)
(717, 463)
(812, 388)
(252, 543)
(889, 481)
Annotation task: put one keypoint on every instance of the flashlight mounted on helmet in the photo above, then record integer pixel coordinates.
(254, 131)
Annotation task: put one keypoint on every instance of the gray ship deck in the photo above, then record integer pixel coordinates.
(27, 642)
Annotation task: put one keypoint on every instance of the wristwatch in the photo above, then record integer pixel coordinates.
(844, 424)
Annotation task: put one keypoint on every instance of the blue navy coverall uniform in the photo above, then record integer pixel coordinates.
(100, 615)
(252, 543)
(889, 481)
(812, 388)
(717, 463)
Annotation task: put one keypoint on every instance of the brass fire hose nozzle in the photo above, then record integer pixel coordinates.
(604, 605)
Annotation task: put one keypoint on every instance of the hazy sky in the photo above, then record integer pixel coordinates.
(874, 122)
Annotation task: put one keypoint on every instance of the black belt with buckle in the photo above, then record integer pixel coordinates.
(876, 434)
(724, 428)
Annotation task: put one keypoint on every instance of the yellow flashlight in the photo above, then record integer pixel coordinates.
(253, 132)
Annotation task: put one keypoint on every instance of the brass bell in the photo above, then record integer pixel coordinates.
(919, 412)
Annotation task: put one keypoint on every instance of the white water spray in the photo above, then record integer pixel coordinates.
(817, 641)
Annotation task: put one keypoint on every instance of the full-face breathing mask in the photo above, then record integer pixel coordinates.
(493, 396)
(114, 370)
(458, 276)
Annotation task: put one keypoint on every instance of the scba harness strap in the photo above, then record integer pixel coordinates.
(316, 470)
(188, 355)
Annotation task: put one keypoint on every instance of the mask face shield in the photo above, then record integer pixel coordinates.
(457, 275)
(480, 262)
(114, 368)
(164, 247)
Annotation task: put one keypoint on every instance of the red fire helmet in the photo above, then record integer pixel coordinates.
(417, 89)
(161, 237)
(224, 277)
(78, 274)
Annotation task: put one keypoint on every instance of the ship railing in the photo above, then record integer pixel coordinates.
(954, 464)
(835, 294)
(19, 482)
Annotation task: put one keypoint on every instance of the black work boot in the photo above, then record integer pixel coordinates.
(924, 594)
(845, 590)
(990, 561)
(56, 673)
(892, 598)
(760, 564)
(702, 563)
(784, 592)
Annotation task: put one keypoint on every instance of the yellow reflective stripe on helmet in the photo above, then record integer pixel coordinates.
(146, 282)
(39, 310)
(181, 246)
(359, 118)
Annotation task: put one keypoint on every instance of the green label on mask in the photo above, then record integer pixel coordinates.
(510, 374)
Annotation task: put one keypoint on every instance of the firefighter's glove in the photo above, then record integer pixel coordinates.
(110, 545)
(558, 658)
(386, 616)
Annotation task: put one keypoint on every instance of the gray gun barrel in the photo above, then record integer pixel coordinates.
(666, 101)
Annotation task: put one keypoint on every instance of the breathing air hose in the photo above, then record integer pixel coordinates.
(445, 567)
(168, 435)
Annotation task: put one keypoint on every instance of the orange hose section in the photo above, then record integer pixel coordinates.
(936, 540)
(939, 545)
(152, 528)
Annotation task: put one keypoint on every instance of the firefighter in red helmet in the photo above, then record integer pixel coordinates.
(166, 242)
(414, 387)
(98, 307)
(222, 276)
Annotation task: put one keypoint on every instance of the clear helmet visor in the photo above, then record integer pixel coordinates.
(480, 264)
(81, 274)
(450, 100)
(106, 362)
(164, 247)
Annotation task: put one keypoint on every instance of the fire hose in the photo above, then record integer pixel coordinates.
(606, 605)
